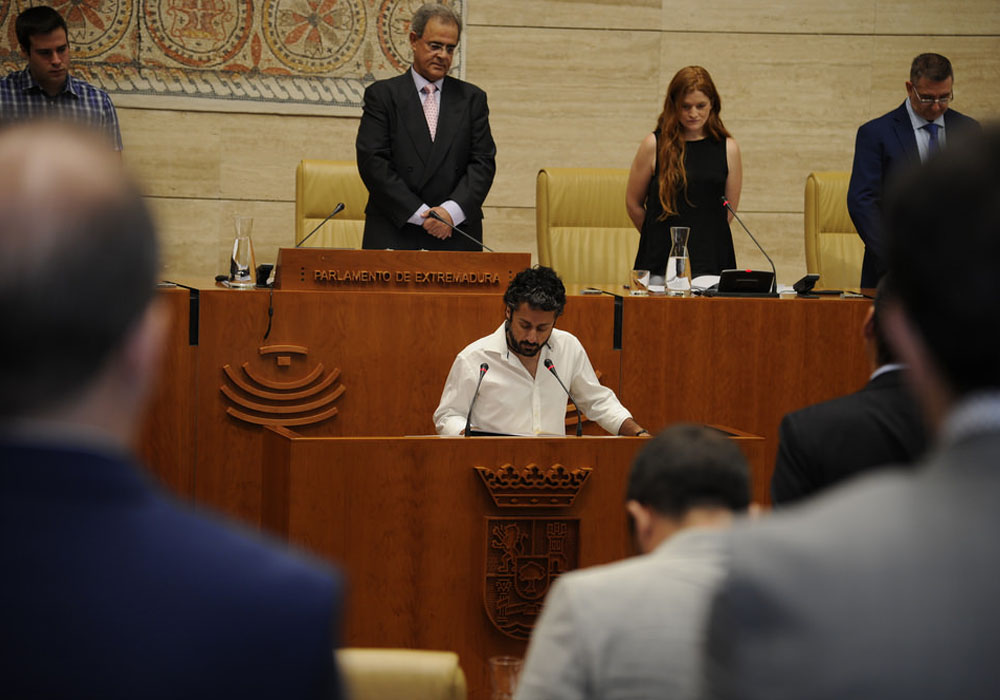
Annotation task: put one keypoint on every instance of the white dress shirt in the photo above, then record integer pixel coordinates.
(512, 402)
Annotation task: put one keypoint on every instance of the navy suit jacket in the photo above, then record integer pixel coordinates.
(883, 147)
(402, 168)
(111, 589)
(823, 444)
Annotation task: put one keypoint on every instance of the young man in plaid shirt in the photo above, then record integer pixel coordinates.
(45, 89)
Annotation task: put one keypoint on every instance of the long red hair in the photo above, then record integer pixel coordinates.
(670, 151)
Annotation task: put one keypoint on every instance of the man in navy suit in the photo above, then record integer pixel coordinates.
(110, 588)
(424, 145)
(829, 442)
(910, 133)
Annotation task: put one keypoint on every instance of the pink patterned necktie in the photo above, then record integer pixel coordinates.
(431, 109)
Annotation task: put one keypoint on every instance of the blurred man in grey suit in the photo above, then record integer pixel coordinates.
(888, 588)
(634, 629)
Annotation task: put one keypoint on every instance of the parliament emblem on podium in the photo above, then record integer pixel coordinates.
(532, 487)
(301, 397)
(524, 556)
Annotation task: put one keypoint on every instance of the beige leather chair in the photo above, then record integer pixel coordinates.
(583, 230)
(401, 674)
(319, 186)
(834, 250)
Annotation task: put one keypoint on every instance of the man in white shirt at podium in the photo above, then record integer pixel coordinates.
(515, 381)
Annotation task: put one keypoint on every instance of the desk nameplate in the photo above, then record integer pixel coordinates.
(397, 270)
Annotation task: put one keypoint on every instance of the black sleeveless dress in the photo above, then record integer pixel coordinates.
(710, 243)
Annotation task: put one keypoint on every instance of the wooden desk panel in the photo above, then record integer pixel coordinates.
(167, 444)
(406, 520)
(393, 351)
(739, 362)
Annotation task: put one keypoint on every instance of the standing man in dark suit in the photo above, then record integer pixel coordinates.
(110, 588)
(887, 588)
(829, 442)
(908, 134)
(424, 144)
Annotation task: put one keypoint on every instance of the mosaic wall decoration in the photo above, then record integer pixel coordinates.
(277, 56)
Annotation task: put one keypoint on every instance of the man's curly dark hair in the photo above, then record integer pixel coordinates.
(540, 287)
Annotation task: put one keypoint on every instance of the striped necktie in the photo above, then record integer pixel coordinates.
(934, 146)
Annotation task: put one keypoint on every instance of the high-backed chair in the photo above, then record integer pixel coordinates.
(583, 230)
(834, 250)
(319, 186)
(401, 674)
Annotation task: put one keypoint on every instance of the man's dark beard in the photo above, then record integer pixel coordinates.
(530, 351)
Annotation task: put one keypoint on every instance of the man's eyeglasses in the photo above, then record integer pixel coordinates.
(925, 100)
(437, 47)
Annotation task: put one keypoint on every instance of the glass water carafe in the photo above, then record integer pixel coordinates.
(679, 263)
(242, 264)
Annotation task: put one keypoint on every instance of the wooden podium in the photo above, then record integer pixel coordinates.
(451, 543)
(738, 362)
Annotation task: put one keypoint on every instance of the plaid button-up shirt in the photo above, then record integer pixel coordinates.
(22, 98)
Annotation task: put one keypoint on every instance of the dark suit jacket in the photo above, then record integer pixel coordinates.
(112, 590)
(883, 146)
(828, 442)
(403, 168)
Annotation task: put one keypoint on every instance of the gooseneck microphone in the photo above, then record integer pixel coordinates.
(336, 210)
(579, 422)
(774, 273)
(434, 215)
(483, 369)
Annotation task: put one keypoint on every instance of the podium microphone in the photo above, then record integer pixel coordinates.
(483, 369)
(774, 273)
(579, 423)
(434, 215)
(336, 210)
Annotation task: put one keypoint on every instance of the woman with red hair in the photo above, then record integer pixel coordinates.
(680, 175)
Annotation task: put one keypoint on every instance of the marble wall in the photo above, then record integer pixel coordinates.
(579, 84)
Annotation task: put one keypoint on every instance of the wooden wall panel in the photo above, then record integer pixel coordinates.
(204, 241)
(972, 17)
(975, 59)
(770, 16)
(591, 14)
(550, 111)
(780, 235)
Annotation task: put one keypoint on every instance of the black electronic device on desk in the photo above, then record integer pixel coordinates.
(743, 283)
(804, 287)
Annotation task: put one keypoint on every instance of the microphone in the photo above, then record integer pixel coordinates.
(579, 423)
(774, 279)
(434, 215)
(483, 369)
(336, 210)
